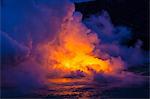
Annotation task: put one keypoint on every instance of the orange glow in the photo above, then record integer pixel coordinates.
(66, 80)
(74, 50)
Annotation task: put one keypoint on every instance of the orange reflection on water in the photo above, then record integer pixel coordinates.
(68, 87)
(66, 80)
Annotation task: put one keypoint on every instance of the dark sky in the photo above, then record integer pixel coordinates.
(131, 13)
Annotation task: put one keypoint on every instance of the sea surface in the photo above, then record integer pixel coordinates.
(60, 88)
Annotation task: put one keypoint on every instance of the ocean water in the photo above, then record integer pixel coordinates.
(60, 88)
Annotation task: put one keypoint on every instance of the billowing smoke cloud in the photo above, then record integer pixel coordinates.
(25, 24)
(47, 38)
(36, 20)
(112, 39)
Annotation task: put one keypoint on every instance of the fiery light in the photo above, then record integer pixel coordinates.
(74, 49)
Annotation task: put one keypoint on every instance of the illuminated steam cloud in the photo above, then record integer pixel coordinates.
(56, 42)
(112, 38)
(25, 24)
